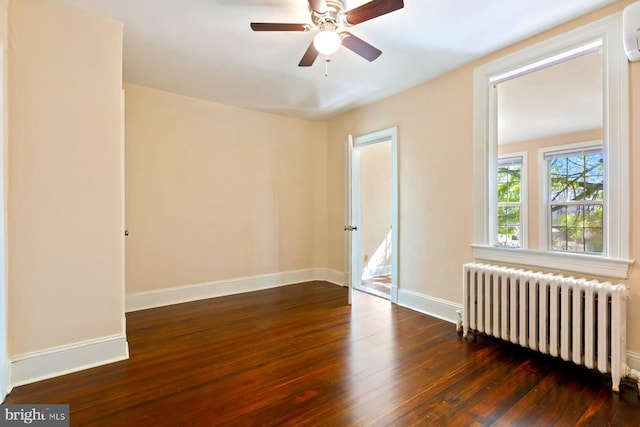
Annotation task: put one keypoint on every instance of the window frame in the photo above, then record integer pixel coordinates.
(544, 218)
(607, 32)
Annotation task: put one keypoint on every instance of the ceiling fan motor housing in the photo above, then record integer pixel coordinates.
(333, 17)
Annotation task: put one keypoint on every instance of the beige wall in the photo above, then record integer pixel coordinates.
(65, 168)
(4, 362)
(633, 333)
(215, 192)
(532, 147)
(434, 177)
(375, 179)
(435, 122)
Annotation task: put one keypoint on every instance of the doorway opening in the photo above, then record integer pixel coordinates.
(373, 209)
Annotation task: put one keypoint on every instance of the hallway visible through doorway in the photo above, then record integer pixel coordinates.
(379, 285)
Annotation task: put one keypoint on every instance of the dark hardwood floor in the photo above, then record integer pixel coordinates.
(298, 355)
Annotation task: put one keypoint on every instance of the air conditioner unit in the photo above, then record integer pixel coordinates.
(631, 31)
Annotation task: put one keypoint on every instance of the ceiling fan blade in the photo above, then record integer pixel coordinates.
(373, 9)
(309, 56)
(319, 6)
(360, 47)
(270, 26)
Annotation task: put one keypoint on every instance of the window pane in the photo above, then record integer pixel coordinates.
(575, 239)
(558, 166)
(502, 216)
(594, 225)
(514, 236)
(593, 240)
(514, 183)
(575, 166)
(503, 184)
(509, 183)
(575, 216)
(594, 181)
(559, 238)
(593, 216)
(502, 234)
(503, 174)
(577, 177)
(513, 215)
(557, 179)
(509, 226)
(559, 216)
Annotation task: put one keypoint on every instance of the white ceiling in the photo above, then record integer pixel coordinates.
(205, 48)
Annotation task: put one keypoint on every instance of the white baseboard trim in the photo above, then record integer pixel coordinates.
(177, 295)
(436, 307)
(633, 360)
(41, 365)
(5, 378)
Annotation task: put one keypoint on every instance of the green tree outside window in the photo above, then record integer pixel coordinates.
(576, 198)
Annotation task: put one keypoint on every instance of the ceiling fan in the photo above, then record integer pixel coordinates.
(331, 19)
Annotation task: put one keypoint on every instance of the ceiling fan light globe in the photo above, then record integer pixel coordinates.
(327, 42)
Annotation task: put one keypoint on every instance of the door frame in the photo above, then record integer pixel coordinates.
(352, 210)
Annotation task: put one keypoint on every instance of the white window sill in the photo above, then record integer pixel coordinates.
(579, 263)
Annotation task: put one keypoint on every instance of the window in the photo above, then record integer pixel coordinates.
(575, 200)
(597, 228)
(509, 178)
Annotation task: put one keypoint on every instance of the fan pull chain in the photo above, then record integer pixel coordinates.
(326, 66)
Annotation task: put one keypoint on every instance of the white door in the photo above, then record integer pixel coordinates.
(354, 230)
